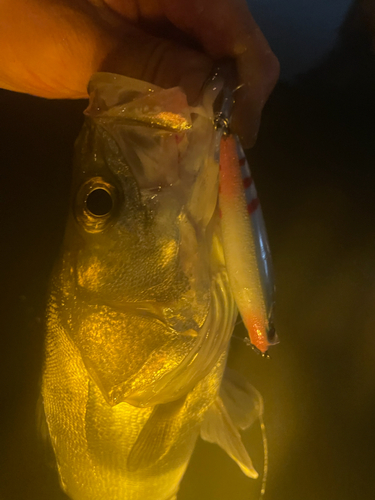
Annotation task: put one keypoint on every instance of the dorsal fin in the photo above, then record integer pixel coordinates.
(218, 428)
(157, 436)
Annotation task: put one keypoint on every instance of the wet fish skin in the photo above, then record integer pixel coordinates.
(140, 311)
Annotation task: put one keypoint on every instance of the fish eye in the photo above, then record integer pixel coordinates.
(95, 204)
(99, 202)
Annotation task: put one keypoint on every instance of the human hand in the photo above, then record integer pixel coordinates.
(50, 48)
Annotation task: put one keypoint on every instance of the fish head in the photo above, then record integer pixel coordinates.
(126, 236)
(136, 281)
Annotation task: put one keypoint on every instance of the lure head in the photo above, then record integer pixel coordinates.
(261, 342)
(134, 285)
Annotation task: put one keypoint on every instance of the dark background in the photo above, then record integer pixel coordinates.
(314, 167)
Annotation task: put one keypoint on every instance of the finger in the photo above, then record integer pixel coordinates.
(227, 29)
(49, 49)
(62, 46)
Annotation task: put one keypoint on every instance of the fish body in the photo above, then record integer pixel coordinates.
(141, 310)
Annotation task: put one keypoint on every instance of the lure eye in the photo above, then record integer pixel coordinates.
(99, 202)
(96, 203)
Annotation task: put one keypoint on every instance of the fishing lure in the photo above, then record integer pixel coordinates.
(245, 241)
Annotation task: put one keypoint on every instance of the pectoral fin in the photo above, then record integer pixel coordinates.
(157, 436)
(218, 428)
(242, 401)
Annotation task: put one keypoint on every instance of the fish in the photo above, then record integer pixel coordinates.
(141, 309)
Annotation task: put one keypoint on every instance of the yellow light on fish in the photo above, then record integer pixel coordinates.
(91, 275)
(141, 312)
(171, 121)
(168, 252)
(165, 120)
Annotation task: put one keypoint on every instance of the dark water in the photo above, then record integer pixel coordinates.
(315, 169)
